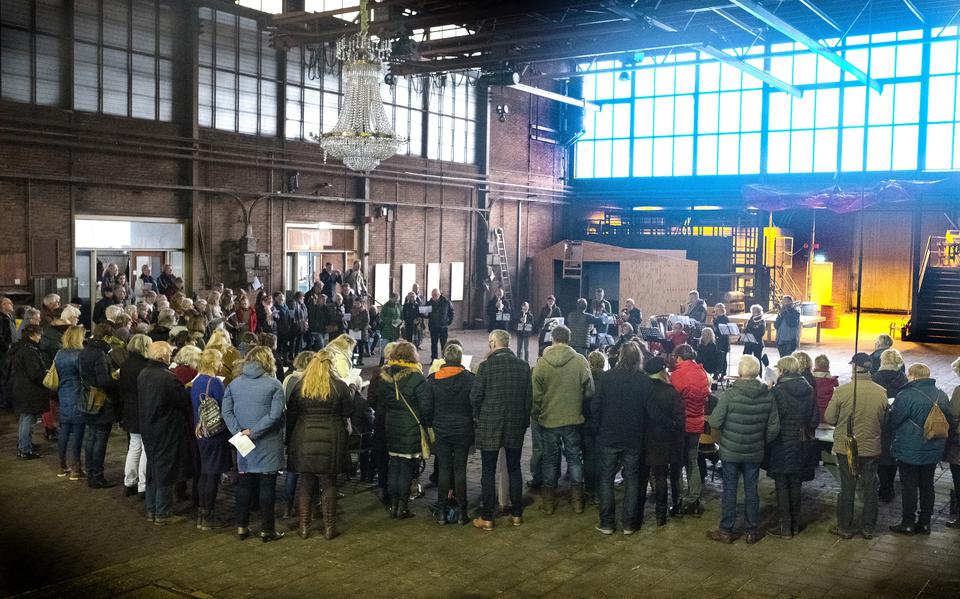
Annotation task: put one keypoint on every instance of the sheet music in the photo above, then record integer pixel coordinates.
(729, 329)
(426, 310)
(749, 338)
(243, 444)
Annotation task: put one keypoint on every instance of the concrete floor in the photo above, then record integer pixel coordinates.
(60, 538)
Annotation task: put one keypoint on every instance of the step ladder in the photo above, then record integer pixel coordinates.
(501, 263)
(573, 260)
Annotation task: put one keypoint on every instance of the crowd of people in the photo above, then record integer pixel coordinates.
(218, 388)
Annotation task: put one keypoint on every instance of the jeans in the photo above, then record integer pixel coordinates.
(917, 479)
(786, 348)
(788, 499)
(438, 337)
(452, 460)
(135, 468)
(159, 500)
(887, 473)
(285, 347)
(523, 347)
(569, 438)
(264, 485)
(488, 482)
(536, 456)
(732, 471)
(591, 460)
(208, 485)
(610, 460)
(95, 450)
(400, 475)
(659, 476)
(694, 482)
(24, 442)
(69, 442)
(849, 486)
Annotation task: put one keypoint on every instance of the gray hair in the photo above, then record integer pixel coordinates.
(30, 313)
(50, 299)
(884, 341)
(453, 353)
(748, 367)
(560, 334)
(500, 338)
(167, 318)
(189, 355)
(891, 357)
(113, 311)
(788, 365)
(138, 344)
(68, 313)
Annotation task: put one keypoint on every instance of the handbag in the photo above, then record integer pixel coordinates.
(427, 438)
(92, 399)
(52, 379)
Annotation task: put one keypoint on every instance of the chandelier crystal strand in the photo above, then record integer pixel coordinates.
(363, 135)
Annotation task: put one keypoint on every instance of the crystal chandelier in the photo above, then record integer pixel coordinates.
(363, 135)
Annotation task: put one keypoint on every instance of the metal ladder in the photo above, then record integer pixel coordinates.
(501, 254)
(573, 260)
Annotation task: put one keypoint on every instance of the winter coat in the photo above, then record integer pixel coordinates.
(952, 453)
(891, 381)
(635, 319)
(723, 341)
(711, 358)
(618, 408)
(868, 422)
(389, 315)
(441, 316)
(51, 341)
(758, 328)
(316, 315)
(184, 373)
(403, 431)
(907, 417)
(520, 322)
(331, 282)
(501, 397)
(665, 423)
(492, 322)
(693, 384)
(7, 330)
(266, 323)
(216, 453)
(875, 360)
(360, 320)
(561, 382)
(165, 424)
(130, 392)
(27, 392)
(300, 318)
(824, 384)
(787, 325)
(747, 418)
(70, 392)
(254, 400)
(798, 415)
(579, 324)
(286, 326)
(447, 407)
(546, 313)
(697, 311)
(95, 372)
(333, 319)
(317, 430)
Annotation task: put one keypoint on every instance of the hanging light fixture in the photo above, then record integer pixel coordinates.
(363, 136)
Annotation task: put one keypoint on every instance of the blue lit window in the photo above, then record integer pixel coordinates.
(663, 117)
(943, 109)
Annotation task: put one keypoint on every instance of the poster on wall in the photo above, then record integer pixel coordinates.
(381, 283)
(408, 276)
(456, 281)
(433, 278)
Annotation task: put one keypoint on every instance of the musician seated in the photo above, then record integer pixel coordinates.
(709, 355)
(626, 335)
(677, 336)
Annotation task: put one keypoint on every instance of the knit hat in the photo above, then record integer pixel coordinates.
(862, 360)
(654, 365)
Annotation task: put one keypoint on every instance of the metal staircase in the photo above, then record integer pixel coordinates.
(936, 310)
(745, 241)
(500, 261)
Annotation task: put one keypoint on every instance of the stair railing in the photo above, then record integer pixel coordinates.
(933, 252)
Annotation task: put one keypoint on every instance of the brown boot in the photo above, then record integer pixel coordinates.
(329, 500)
(304, 511)
(576, 498)
(548, 500)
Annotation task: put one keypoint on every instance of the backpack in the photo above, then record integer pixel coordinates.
(209, 420)
(936, 425)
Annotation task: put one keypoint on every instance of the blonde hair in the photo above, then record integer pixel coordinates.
(707, 337)
(343, 344)
(404, 351)
(302, 360)
(806, 363)
(822, 362)
(748, 367)
(918, 371)
(138, 344)
(160, 351)
(189, 355)
(264, 357)
(597, 360)
(210, 362)
(219, 340)
(317, 377)
(789, 365)
(892, 357)
(73, 338)
(388, 350)
(69, 313)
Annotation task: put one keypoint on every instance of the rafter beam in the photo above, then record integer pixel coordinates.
(823, 16)
(543, 93)
(753, 71)
(916, 11)
(816, 47)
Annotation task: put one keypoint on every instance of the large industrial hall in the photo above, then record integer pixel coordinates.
(441, 299)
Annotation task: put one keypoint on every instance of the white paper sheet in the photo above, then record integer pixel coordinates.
(243, 444)
(426, 310)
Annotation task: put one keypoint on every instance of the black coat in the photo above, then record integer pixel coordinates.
(51, 341)
(665, 425)
(28, 394)
(403, 432)
(317, 430)
(891, 381)
(723, 341)
(165, 424)
(799, 416)
(447, 408)
(130, 392)
(95, 372)
(492, 322)
(546, 313)
(712, 359)
(618, 411)
(441, 316)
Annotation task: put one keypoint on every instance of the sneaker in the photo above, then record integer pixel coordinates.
(483, 524)
(28, 455)
(151, 517)
(629, 531)
(64, 472)
(169, 520)
(77, 475)
(516, 520)
(866, 534)
(836, 530)
(903, 528)
(604, 530)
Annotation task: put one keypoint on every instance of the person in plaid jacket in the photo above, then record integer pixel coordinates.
(501, 398)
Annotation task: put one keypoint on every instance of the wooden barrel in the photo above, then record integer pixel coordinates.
(832, 314)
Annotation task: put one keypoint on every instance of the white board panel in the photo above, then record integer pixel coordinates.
(408, 276)
(433, 278)
(381, 283)
(456, 281)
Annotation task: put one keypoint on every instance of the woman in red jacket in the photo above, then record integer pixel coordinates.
(693, 383)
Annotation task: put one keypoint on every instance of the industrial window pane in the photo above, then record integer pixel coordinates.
(804, 68)
(779, 115)
(682, 156)
(664, 81)
(602, 162)
(883, 62)
(686, 79)
(683, 111)
(825, 151)
(852, 157)
(907, 103)
(905, 140)
(827, 72)
(144, 26)
(943, 57)
(854, 105)
(115, 28)
(268, 57)
(749, 82)
(621, 158)
(15, 65)
(604, 86)
(778, 153)
(956, 147)
(643, 83)
(801, 152)
(642, 119)
(589, 87)
(879, 140)
(604, 125)
(622, 84)
(939, 147)
(643, 158)
(752, 110)
(621, 120)
(584, 160)
(709, 76)
(860, 58)
(781, 67)
(205, 94)
(663, 116)
(143, 103)
(749, 153)
(730, 77)
(707, 155)
(16, 12)
(828, 107)
(589, 124)
(662, 157)
(728, 154)
(942, 98)
(729, 111)
(86, 20)
(166, 90)
(115, 79)
(880, 108)
(802, 115)
(909, 60)
(709, 107)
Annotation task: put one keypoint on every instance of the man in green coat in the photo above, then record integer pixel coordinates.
(390, 321)
(747, 419)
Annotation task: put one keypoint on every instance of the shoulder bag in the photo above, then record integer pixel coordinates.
(427, 437)
(52, 379)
